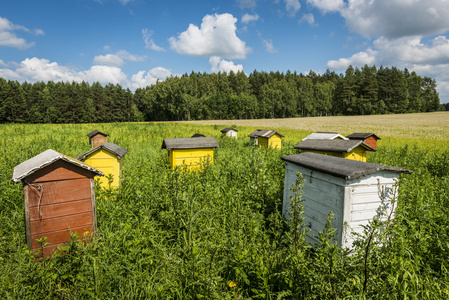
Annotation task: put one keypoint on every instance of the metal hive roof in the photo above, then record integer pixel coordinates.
(264, 133)
(333, 145)
(44, 159)
(340, 167)
(324, 135)
(110, 147)
(362, 135)
(95, 132)
(189, 143)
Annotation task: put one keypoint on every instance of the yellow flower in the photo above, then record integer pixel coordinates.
(232, 284)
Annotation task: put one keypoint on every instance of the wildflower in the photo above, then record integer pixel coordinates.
(232, 284)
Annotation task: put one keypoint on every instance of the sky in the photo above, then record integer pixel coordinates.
(134, 43)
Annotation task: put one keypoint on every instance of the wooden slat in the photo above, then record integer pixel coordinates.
(61, 209)
(27, 215)
(57, 224)
(60, 237)
(61, 191)
(59, 170)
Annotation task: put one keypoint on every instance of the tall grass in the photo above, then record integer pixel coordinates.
(218, 233)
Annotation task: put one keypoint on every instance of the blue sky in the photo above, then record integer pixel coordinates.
(136, 42)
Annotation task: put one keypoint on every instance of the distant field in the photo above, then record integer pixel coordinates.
(405, 128)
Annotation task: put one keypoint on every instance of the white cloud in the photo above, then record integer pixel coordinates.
(3, 64)
(390, 18)
(217, 64)
(292, 7)
(35, 69)
(216, 37)
(269, 47)
(308, 18)
(117, 59)
(9, 39)
(359, 59)
(149, 43)
(142, 79)
(246, 3)
(124, 2)
(327, 5)
(249, 18)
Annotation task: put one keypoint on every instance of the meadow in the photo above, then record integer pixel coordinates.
(218, 233)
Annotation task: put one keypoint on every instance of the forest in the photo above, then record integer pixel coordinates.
(201, 96)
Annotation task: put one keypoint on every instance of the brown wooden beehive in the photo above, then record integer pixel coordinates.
(59, 199)
(97, 138)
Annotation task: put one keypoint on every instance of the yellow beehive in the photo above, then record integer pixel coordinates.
(350, 149)
(189, 151)
(267, 138)
(109, 159)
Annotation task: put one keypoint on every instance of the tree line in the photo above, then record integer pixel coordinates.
(198, 96)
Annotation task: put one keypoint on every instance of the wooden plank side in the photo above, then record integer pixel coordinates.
(61, 209)
(60, 191)
(57, 224)
(59, 170)
(93, 204)
(62, 236)
(27, 214)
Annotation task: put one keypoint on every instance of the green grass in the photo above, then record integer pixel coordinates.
(187, 235)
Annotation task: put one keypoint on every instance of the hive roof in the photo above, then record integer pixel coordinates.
(362, 136)
(95, 132)
(110, 147)
(340, 167)
(333, 145)
(228, 129)
(324, 135)
(189, 143)
(264, 133)
(44, 159)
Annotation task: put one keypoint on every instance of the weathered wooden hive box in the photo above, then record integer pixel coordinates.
(352, 190)
(267, 138)
(230, 132)
(97, 138)
(109, 158)
(59, 198)
(324, 136)
(369, 138)
(350, 149)
(189, 151)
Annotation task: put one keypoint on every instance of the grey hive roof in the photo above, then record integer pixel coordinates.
(332, 145)
(228, 129)
(340, 167)
(324, 135)
(110, 147)
(44, 159)
(189, 143)
(95, 132)
(264, 133)
(362, 136)
(198, 135)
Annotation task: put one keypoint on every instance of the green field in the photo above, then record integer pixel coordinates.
(218, 233)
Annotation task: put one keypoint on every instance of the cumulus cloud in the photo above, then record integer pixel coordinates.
(246, 3)
(149, 42)
(35, 69)
(117, 59)
(217, 64)
(308, 18)
(390, 18)
(269, 47)
(3, 64)
(292, 7)
(216, 37)
(249, 18)
(143, 78)
(9, 39)
(369, 57)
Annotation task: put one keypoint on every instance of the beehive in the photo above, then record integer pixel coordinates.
(352, 190)
(230, 132)
(59, 198)
(189, 151)
(267, 138)
(369, 138)
(350, 149)
(109, 159)
(97, 138)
